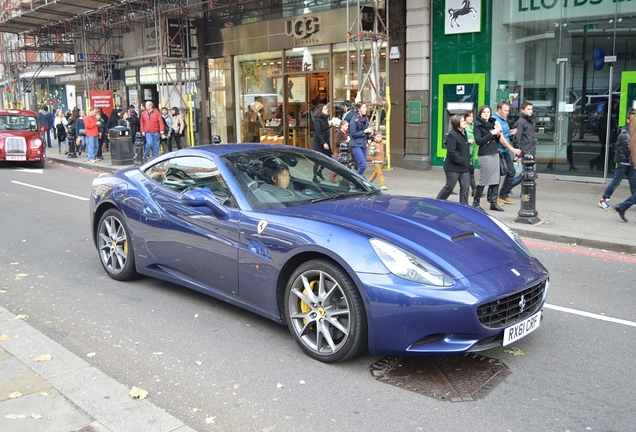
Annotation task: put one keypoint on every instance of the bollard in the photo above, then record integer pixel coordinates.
(139, 149)
(70, 142)
(528, 213)
(216, 139)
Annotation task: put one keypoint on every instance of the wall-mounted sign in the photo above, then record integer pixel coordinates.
(302, 27)
(179, 42)
(64, 79)
(130, 77)
(415, 111)
(462, 16)
(96, 58)
(101, 99)
(151, 39)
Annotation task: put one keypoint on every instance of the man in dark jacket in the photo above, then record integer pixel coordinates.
(624, 167)
(524, 139)
(46, 119)
(630, 131)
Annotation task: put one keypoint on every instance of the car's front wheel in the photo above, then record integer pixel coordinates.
(115, 247)
(325, 312)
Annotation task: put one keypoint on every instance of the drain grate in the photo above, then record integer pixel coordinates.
(456, 378)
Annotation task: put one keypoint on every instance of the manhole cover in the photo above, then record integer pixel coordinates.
(456, 378)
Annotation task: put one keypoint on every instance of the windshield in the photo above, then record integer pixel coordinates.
(18, 122)
(289, 177)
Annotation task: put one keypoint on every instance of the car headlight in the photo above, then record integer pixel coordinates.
(409, 267)
(513, 235)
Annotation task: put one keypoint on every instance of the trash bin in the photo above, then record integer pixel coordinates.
(121, 146)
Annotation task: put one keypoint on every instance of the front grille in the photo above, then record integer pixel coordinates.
(508, 310)
(15, 145)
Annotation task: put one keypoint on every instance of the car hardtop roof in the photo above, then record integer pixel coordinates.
(6, 111)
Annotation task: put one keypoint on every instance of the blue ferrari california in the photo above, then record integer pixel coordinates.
(298, 238)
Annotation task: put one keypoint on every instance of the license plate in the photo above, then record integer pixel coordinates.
(522, 329)
(19, 158)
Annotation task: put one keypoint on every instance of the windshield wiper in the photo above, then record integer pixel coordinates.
(345, 195)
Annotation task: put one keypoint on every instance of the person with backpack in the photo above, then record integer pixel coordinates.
(624, 166)
(152, 127)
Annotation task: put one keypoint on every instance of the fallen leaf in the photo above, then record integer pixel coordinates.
(22, 317)
(91, 354)
(237, 386)
(45, 393)
(193, 410)
(40, 277)
(198, 363)
(15, 395)
(515, 351)
(15, 263)
(20, 276)
(43, 358)
(138, 393)
(209, 420)
(36, 416)
(4, 337)
(279, 385)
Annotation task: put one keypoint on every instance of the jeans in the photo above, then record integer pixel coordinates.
(628, 202)
(91, 147)
(508, 183)
(152, 142)
(46, 138)
(360, 153)
(451, 180)
(621, 171)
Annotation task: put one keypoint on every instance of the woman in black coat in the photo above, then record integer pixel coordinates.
(487, 133)
(321, 136)
(457, 162)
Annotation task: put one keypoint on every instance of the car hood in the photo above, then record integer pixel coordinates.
(456, 238)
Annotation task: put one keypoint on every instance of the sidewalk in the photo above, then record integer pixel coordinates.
(65, 393)
(568, 210)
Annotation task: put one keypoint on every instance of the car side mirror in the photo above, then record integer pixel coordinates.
(204, 198)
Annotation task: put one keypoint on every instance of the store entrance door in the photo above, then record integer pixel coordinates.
(302, 93)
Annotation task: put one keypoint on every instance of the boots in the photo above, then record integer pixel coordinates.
(478, 191)
(493, 193)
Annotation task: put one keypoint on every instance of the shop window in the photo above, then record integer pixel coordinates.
(259, 92)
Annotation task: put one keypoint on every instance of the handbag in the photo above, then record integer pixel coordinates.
(82, 132)
(503, 166)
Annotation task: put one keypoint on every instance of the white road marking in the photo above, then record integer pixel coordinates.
(50, 190)
(31, 170)
(590, 315)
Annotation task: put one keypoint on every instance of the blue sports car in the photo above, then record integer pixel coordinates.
(301, 239)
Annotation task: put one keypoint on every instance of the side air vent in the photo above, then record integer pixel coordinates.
(463, 236)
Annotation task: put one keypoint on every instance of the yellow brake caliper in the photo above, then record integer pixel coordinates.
(304, 307)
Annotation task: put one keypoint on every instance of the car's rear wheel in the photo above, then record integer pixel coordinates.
(325, 312)
(40, 164)
(115, 247)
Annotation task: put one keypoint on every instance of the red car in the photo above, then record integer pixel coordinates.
(20, 137)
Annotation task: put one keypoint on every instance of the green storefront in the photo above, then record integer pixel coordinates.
(573, 59)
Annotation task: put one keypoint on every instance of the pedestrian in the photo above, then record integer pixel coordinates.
(625, 205)
(80, 132)
(178, 127)
(60, 123)
(102, 134)
(347, 111)
(92, 134)
(524, 138)
(113, 120)
(487, 132)
(151, 126)
(46, 120)
(505, 148)
(457, 161)
(624, 164)
(360, 131)
(321, 136)
(133, 121)
(72, 138)
(166, 136)
(469, 119)
(377, 150)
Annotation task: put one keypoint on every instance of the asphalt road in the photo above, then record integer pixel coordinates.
(217, 367)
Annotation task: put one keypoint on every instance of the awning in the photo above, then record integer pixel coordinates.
(40, 13)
